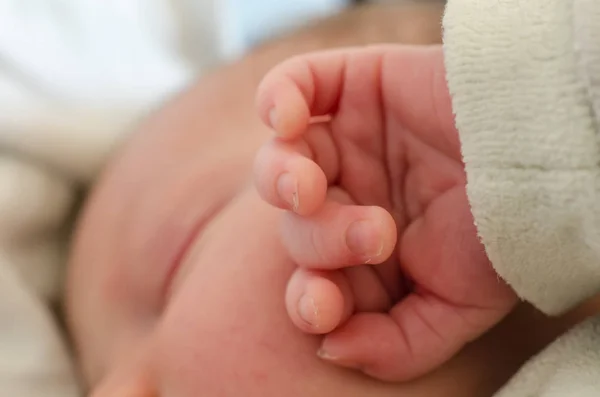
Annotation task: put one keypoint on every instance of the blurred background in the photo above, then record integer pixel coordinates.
(108, 61)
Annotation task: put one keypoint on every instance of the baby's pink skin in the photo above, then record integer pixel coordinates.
(218, 327)
(383, 151)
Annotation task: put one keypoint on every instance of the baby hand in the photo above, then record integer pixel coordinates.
(367, 162)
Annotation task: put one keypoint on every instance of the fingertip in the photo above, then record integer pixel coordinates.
(265, 106)
(389, 234)
(282, 106)
(314, 192)
(364, 239)
(317, 304)
(287, 189)
(285, 178)
(273, 120)
(290, 113)
(321, 306)
(373, 237)
(351, 345)
(338, 236)
(303, 188)
(266, 166)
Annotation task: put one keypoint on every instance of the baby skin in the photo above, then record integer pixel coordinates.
(366, 161)
(178, 271)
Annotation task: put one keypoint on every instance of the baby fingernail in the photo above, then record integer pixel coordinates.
(308, 310)
(287, 187)
(363, 239)
(273, 119)
(326, 355)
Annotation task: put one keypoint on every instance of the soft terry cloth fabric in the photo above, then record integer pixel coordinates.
(525, 80)
(74, 76)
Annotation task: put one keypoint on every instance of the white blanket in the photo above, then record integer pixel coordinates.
(525, 79)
